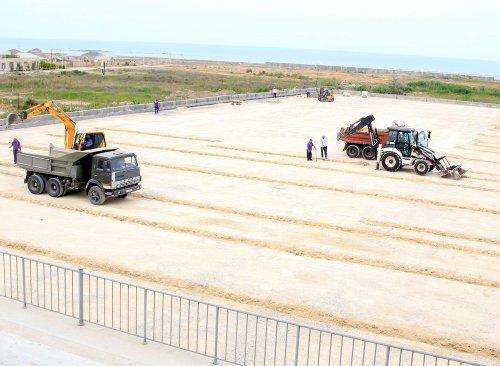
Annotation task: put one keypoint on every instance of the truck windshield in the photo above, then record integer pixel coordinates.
(126, 162)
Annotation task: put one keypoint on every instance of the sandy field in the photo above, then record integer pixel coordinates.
(231, 211)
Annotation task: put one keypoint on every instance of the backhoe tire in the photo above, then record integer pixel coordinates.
(391, 161)
(96, 195)
(54, 187)
(352, 151)
(36, 184)
(421, 167)
(368, 153)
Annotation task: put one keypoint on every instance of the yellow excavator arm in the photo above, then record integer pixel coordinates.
(56, 111)
(73, 139)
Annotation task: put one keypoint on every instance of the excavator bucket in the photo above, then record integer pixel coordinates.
(12, 118)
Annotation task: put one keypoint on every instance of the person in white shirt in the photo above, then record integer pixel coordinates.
(275, 92)
(324, 147)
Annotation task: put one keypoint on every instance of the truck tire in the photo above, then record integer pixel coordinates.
(368, 153)
(96, 195)
(421, 167)
(391, 161)
(352, 151)
(54, 187)
(36, 184)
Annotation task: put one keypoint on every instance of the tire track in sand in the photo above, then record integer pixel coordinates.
(455, 156)
(426, 230)
(311, 223)
(160, 134)
(394, 197)
(289, 155)
(363, 163)
(301, 311)
(474, 149)
(286, 248)
(312, 167)
(322, 225)
(415, 179)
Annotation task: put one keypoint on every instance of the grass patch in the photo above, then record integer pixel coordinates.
(437, 89)
(76, 90)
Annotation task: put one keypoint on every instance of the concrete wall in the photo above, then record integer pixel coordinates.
(366, 70)
(145, 108)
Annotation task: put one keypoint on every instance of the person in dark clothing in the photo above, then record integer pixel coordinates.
(310, 146)
(157, 106)
(16, 147)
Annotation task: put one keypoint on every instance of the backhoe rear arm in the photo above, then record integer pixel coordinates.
(56, 111)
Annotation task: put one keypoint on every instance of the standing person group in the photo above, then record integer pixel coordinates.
(324, 148)
(157, 106)
(16, 147)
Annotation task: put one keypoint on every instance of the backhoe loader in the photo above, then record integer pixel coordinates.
(73, 139)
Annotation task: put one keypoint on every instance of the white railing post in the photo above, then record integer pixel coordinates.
(24, 281)
(80, 296)
(216, 334)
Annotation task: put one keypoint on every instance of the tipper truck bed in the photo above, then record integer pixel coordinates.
(102, 173)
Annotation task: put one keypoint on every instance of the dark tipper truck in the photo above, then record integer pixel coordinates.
(102, 173)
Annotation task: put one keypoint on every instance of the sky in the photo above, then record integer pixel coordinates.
(441, 28)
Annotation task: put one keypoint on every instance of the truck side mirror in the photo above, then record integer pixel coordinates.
(429, 135)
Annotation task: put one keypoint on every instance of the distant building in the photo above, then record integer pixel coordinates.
(24, 61)
(36, 51)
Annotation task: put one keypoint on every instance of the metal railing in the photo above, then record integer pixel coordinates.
(216, 331)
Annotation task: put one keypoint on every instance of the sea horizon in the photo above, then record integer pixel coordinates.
(252, 54)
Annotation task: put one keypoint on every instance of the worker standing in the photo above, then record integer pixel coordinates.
(157, 106)
(16, 147)
(324, 147)
(275, 92)
(310, 146)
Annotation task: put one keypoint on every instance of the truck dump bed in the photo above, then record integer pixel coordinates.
(362, 137)
(60, 162)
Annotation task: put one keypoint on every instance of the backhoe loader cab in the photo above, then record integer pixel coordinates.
(409, 147)
(89, 140)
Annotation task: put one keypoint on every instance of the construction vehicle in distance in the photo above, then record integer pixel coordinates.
(362, 139)
(408, 147)
(326, 95)
(101, 173)
(73, 139)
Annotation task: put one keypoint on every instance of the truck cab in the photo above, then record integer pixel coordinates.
(114, 173)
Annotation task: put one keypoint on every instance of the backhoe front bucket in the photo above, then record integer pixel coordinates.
(454, 172)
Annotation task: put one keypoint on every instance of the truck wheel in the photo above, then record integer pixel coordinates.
(421, 167)
(368, 153)
(54, 187)
(36, 184)
(391, 161)
(352, 151)
(96, 195)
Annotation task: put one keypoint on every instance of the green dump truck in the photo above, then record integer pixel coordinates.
(102, 173)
